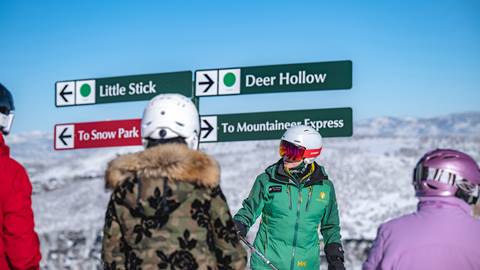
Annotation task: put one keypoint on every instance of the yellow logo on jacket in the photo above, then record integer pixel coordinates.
(302, 264)
(322, 197)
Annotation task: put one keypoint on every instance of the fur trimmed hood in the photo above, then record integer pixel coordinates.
(174, 161)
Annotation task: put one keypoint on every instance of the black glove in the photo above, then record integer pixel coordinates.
(335, 258)
(337, 265)
(241, 228)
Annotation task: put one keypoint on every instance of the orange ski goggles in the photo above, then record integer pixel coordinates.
(297, 153)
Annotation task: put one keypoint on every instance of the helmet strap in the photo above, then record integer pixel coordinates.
(467, 197)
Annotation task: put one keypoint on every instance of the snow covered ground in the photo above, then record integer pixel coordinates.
(371, 172)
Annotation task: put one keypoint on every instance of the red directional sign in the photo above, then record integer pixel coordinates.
(97, 134)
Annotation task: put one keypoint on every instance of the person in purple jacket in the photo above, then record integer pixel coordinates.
(442, 234)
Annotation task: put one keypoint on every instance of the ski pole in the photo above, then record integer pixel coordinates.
(264, 259)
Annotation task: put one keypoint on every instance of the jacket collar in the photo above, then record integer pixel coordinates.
(173, 161)
(277, 173)
(4, 149)
(443, 202)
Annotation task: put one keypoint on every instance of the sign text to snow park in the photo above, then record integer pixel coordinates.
(335, 122)
(275, 78)
(121, 89)
(97, 134)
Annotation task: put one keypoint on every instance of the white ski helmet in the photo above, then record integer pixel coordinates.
(170, 116)
(307, 139)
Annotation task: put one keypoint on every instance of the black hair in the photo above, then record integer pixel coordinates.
(6, 100)
(155, 142)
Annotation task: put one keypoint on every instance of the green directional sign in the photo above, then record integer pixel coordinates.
(122, 89)
(275, 78)
(335, 122)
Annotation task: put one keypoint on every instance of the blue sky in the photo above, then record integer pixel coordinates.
(410, 58)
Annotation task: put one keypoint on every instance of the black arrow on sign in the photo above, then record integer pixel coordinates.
(209, 128)
(63, 136)
(63, 93)
(210, 82)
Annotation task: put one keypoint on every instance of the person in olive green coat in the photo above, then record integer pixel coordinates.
(295, 198)
(167, 210)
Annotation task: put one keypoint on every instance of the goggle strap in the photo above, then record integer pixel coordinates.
(3, 120)
(310, 153)
(439, 175)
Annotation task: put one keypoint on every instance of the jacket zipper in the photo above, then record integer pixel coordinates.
(310, 190)
(289, 198)
(266, 237)
(299, 203)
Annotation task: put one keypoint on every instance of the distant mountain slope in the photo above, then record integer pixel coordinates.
(465, 124)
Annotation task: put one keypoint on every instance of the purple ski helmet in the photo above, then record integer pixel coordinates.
(447, 173)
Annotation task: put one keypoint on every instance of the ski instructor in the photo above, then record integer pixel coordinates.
(295, 198)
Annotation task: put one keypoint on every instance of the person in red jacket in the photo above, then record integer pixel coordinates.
(19, 245)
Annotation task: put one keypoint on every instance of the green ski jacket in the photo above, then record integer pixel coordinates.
(292, 213)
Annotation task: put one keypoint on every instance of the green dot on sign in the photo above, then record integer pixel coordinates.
(229, 79)
(85, 90)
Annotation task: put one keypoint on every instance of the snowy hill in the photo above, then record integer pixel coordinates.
(371, 172)
(464, 124)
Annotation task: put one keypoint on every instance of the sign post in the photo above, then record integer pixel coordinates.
(275, 78)
(335, 122)
(97, 134)
(122, 89)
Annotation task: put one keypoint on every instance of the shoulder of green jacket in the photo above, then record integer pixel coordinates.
(277, 173)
